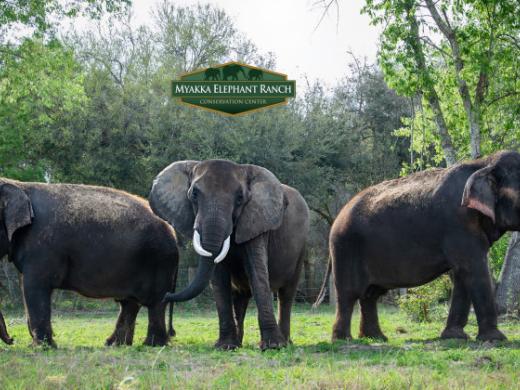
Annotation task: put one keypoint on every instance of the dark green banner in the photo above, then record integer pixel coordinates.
(233, 88)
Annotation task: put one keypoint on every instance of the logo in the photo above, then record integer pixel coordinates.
(233, 88)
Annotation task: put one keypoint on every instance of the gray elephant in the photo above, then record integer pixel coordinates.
(243, 214)
(96, 241)
(408, 231)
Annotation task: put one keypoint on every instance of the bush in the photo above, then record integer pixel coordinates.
(419, 303)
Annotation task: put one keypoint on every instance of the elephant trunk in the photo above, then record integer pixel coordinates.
(212, 248)
(199, 283)
(3, 331)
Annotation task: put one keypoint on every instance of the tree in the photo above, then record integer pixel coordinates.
(40, 14)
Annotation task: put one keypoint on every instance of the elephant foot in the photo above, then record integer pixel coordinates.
(491, 335)
(117, 342)
(156, 340)
(454, 333)
(339, 335)
(227, 344)
(379, 336)
(119, 338)
(44, 343)
(272, 340)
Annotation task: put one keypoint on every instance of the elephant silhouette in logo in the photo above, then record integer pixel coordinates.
(212, 74)
(255, 74)
(232, 71)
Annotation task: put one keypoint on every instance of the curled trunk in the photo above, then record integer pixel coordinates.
(199, 283)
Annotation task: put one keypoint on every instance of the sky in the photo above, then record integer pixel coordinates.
(289, 29)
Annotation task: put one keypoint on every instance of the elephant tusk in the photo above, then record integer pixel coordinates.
(224, 251)
(198, 247)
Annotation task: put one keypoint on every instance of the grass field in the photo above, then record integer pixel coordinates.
(413, 358)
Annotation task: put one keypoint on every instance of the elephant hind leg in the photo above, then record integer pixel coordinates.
(124, 332)
(240, 302)
(157, 334)
(285, 300)
(344, 309)
(349, 282)
(459, 310)
(369, 325)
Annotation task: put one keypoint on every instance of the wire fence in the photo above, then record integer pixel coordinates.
(311, 279)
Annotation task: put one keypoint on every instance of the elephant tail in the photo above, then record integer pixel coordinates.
(323, 289)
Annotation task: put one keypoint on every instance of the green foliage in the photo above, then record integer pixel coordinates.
(42, 95)
(486, 34)
(497, 254)
(41, 13)
(421, 303)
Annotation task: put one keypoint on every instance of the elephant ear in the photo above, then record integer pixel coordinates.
(264, 210)
(168, 197)
(480, 192)
(17, 208)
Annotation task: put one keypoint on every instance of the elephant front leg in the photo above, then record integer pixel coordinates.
(478, 282)
(37, 301)
(4, 335)
(221, 285)
(256, 269)
(459, 310)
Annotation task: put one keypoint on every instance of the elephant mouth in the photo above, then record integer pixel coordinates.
(204, 253)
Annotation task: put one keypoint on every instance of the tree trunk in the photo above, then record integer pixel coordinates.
(428, 87)
(472, 111)
(508, 291)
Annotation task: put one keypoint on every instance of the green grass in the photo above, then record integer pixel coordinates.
(413, 358)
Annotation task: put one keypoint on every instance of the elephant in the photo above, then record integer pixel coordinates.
(212, 74)
(255, 74)
(243, 214)
(97, 241)
(408, 231)
(4, 335)
(232, 71)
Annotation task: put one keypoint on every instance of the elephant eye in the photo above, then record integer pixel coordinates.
(239, 199)
(194, 194)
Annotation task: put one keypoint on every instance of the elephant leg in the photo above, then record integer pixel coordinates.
(37, 299)
(221, 285)
(459, 310)
(369, 325)
(256, 270)
(240, 302)
(478, 282)
(157, 334)
(20, 280)
(286, 296)
(4, 335)
(124, 332)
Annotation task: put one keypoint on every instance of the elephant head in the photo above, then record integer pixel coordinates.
(15, 213)
(216, 201)
(494, 191)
